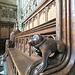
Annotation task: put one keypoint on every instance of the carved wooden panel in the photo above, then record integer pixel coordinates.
(51, 11)
(35, 22)
(4, 32)
(30, 24)
(41, 16)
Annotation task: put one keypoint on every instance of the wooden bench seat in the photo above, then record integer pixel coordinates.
(22, 61)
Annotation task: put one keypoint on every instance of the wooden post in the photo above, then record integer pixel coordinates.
(58, 18)
(30, 52)
(24, 43)
(72, 25)
(15, 43)
(18, 43)
(64, 21)
(68, 24)
(9, 32)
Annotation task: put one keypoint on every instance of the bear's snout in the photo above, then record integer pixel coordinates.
(30, 42)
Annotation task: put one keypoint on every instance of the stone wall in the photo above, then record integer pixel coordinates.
(13, 2)
(8, 12)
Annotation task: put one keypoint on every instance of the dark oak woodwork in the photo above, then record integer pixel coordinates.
(58, 18)
(62, 27)
(64, 21)
(41, 29)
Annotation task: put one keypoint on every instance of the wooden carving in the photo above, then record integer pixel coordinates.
(47, 46)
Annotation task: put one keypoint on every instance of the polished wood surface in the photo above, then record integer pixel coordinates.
(61, 27)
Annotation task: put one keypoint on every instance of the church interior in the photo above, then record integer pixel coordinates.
(37, 37)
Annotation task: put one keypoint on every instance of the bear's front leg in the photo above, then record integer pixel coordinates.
(42, 66)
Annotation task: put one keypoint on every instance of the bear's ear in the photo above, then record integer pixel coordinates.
(61, 47)
(40, 35)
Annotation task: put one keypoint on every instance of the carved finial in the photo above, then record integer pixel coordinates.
(17, 24)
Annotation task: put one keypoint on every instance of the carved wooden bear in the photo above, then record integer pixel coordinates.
(46, 46)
